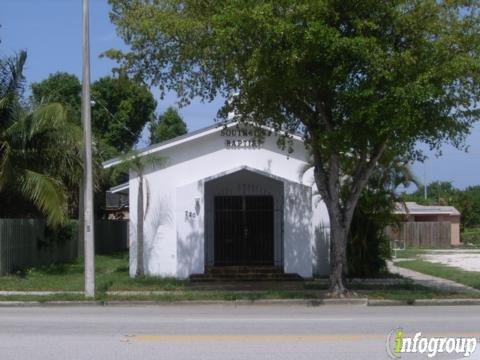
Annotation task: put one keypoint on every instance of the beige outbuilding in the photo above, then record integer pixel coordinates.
(427, 226)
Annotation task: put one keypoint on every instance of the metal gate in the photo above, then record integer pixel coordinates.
(243, 230)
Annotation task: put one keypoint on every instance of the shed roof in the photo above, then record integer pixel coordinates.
(412, 208)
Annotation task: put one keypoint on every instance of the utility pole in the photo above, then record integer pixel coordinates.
(87, 165)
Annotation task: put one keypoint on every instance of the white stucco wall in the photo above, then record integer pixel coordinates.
(190, 229)
(298, 229)
(174, 243)
(320, 238)
(159, 224)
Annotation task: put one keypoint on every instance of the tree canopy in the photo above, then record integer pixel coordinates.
(467, 201)
(60, 87)
(39, 150)
(168, 125)
(121, 108)
(360, 79)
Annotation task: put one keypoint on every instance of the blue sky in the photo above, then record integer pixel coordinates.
(50, 31)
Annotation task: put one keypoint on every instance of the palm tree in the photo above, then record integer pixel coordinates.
(368, 244)
(132, 161)
(38, 148)
(375, 211)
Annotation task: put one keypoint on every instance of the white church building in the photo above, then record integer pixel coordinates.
(223, 198)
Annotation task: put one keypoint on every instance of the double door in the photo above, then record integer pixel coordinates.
(243, 230)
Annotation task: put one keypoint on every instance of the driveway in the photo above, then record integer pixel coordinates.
(468, 260)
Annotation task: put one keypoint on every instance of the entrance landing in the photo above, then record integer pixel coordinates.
(244, 274)
(247, 285)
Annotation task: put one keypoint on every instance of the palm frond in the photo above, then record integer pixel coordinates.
(46, 139)
(133, 161)
(39, 150)
(14, 69)
(3, 103)
(46, 193)
(12, 81)
(46, 119)
(5, 152)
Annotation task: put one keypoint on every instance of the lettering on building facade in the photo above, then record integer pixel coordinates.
(243, 138)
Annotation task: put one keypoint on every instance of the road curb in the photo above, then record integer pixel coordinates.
(262, 302)
(424, 302)
(48, 303)
(38, 293)
(244, 302)
(444, 302)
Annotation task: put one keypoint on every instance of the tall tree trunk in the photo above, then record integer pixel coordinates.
(328, 186)
(338, 258)
(140, 266)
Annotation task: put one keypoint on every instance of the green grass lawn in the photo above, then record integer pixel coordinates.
(471, 236)
(416, 253)
(469, 278)
(410, 253)
(403, 293)
(414, 292)
(112, 275)
(174, 296)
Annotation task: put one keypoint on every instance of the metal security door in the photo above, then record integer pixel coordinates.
(228, 230)
(243, 230)
(259, 229)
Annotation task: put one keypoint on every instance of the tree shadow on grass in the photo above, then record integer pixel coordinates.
(122, 269)
(60, 269)
(119, 255)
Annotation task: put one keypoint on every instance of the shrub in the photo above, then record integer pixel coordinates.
(60, 234)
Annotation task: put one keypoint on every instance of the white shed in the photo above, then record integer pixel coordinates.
(225, 199)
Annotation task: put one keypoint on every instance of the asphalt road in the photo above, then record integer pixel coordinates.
(223, 332)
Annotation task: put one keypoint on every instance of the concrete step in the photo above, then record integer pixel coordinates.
(244, 277)
(243, 270)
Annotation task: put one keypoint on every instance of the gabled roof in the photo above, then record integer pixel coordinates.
(183, 139)
(412, 208)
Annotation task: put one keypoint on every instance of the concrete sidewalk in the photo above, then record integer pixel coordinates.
(429, 280)
(38, 293)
